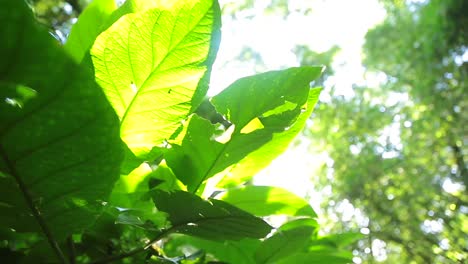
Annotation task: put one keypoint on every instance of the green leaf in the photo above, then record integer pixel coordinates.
(154, 66)
(59, 137)
(273, 200)
(130, 194)
(339, 240)
(239, 252)
(262, 128)
(201, 157)
(212, 219)
(90, 24)
(265, 95)
(97, 17)
(262, 157)
(283, 244)
(298, 223)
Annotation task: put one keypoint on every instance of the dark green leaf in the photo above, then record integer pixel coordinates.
(212, 219)
(59, 137)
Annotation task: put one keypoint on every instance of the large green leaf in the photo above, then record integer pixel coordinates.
(283, 244)
(262, 127)
(154, 67)
(59, 137)
(212, 219)
(273, 200)
(89, 25)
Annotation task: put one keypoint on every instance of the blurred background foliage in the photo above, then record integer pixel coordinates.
(396, 167)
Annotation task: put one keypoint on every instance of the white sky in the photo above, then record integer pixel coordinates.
(331, 22)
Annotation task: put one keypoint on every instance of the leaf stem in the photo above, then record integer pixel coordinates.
(35, 211)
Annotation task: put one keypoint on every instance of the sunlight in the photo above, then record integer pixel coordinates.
(274, 37)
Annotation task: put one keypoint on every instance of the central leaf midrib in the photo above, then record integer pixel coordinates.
(127, 110)
(215, 162)
(220, 217)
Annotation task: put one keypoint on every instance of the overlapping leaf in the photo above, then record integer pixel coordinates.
(89, 25)
(97, 17)
(59, 137)
(212, 219)
(154, 67)
(267, 111)
(274, 201)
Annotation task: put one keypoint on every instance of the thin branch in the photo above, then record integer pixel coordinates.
(35, 211)
(71, 249)
(137, 250)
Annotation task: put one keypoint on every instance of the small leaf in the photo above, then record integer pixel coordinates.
(154, 67)
(339, 240)
(298, 223)
(212, 219)
(273, 200)
(90, 24)
(283, 244)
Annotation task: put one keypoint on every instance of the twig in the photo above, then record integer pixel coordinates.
(35, 211)
(137, 250)
(71, 249)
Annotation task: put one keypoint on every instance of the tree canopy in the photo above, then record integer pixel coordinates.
(399, 150)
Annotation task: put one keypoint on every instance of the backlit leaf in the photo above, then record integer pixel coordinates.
(152, 64)
(89, 25)
(267, 111)
(274, 201)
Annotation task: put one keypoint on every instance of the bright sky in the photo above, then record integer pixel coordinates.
(330, 22)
